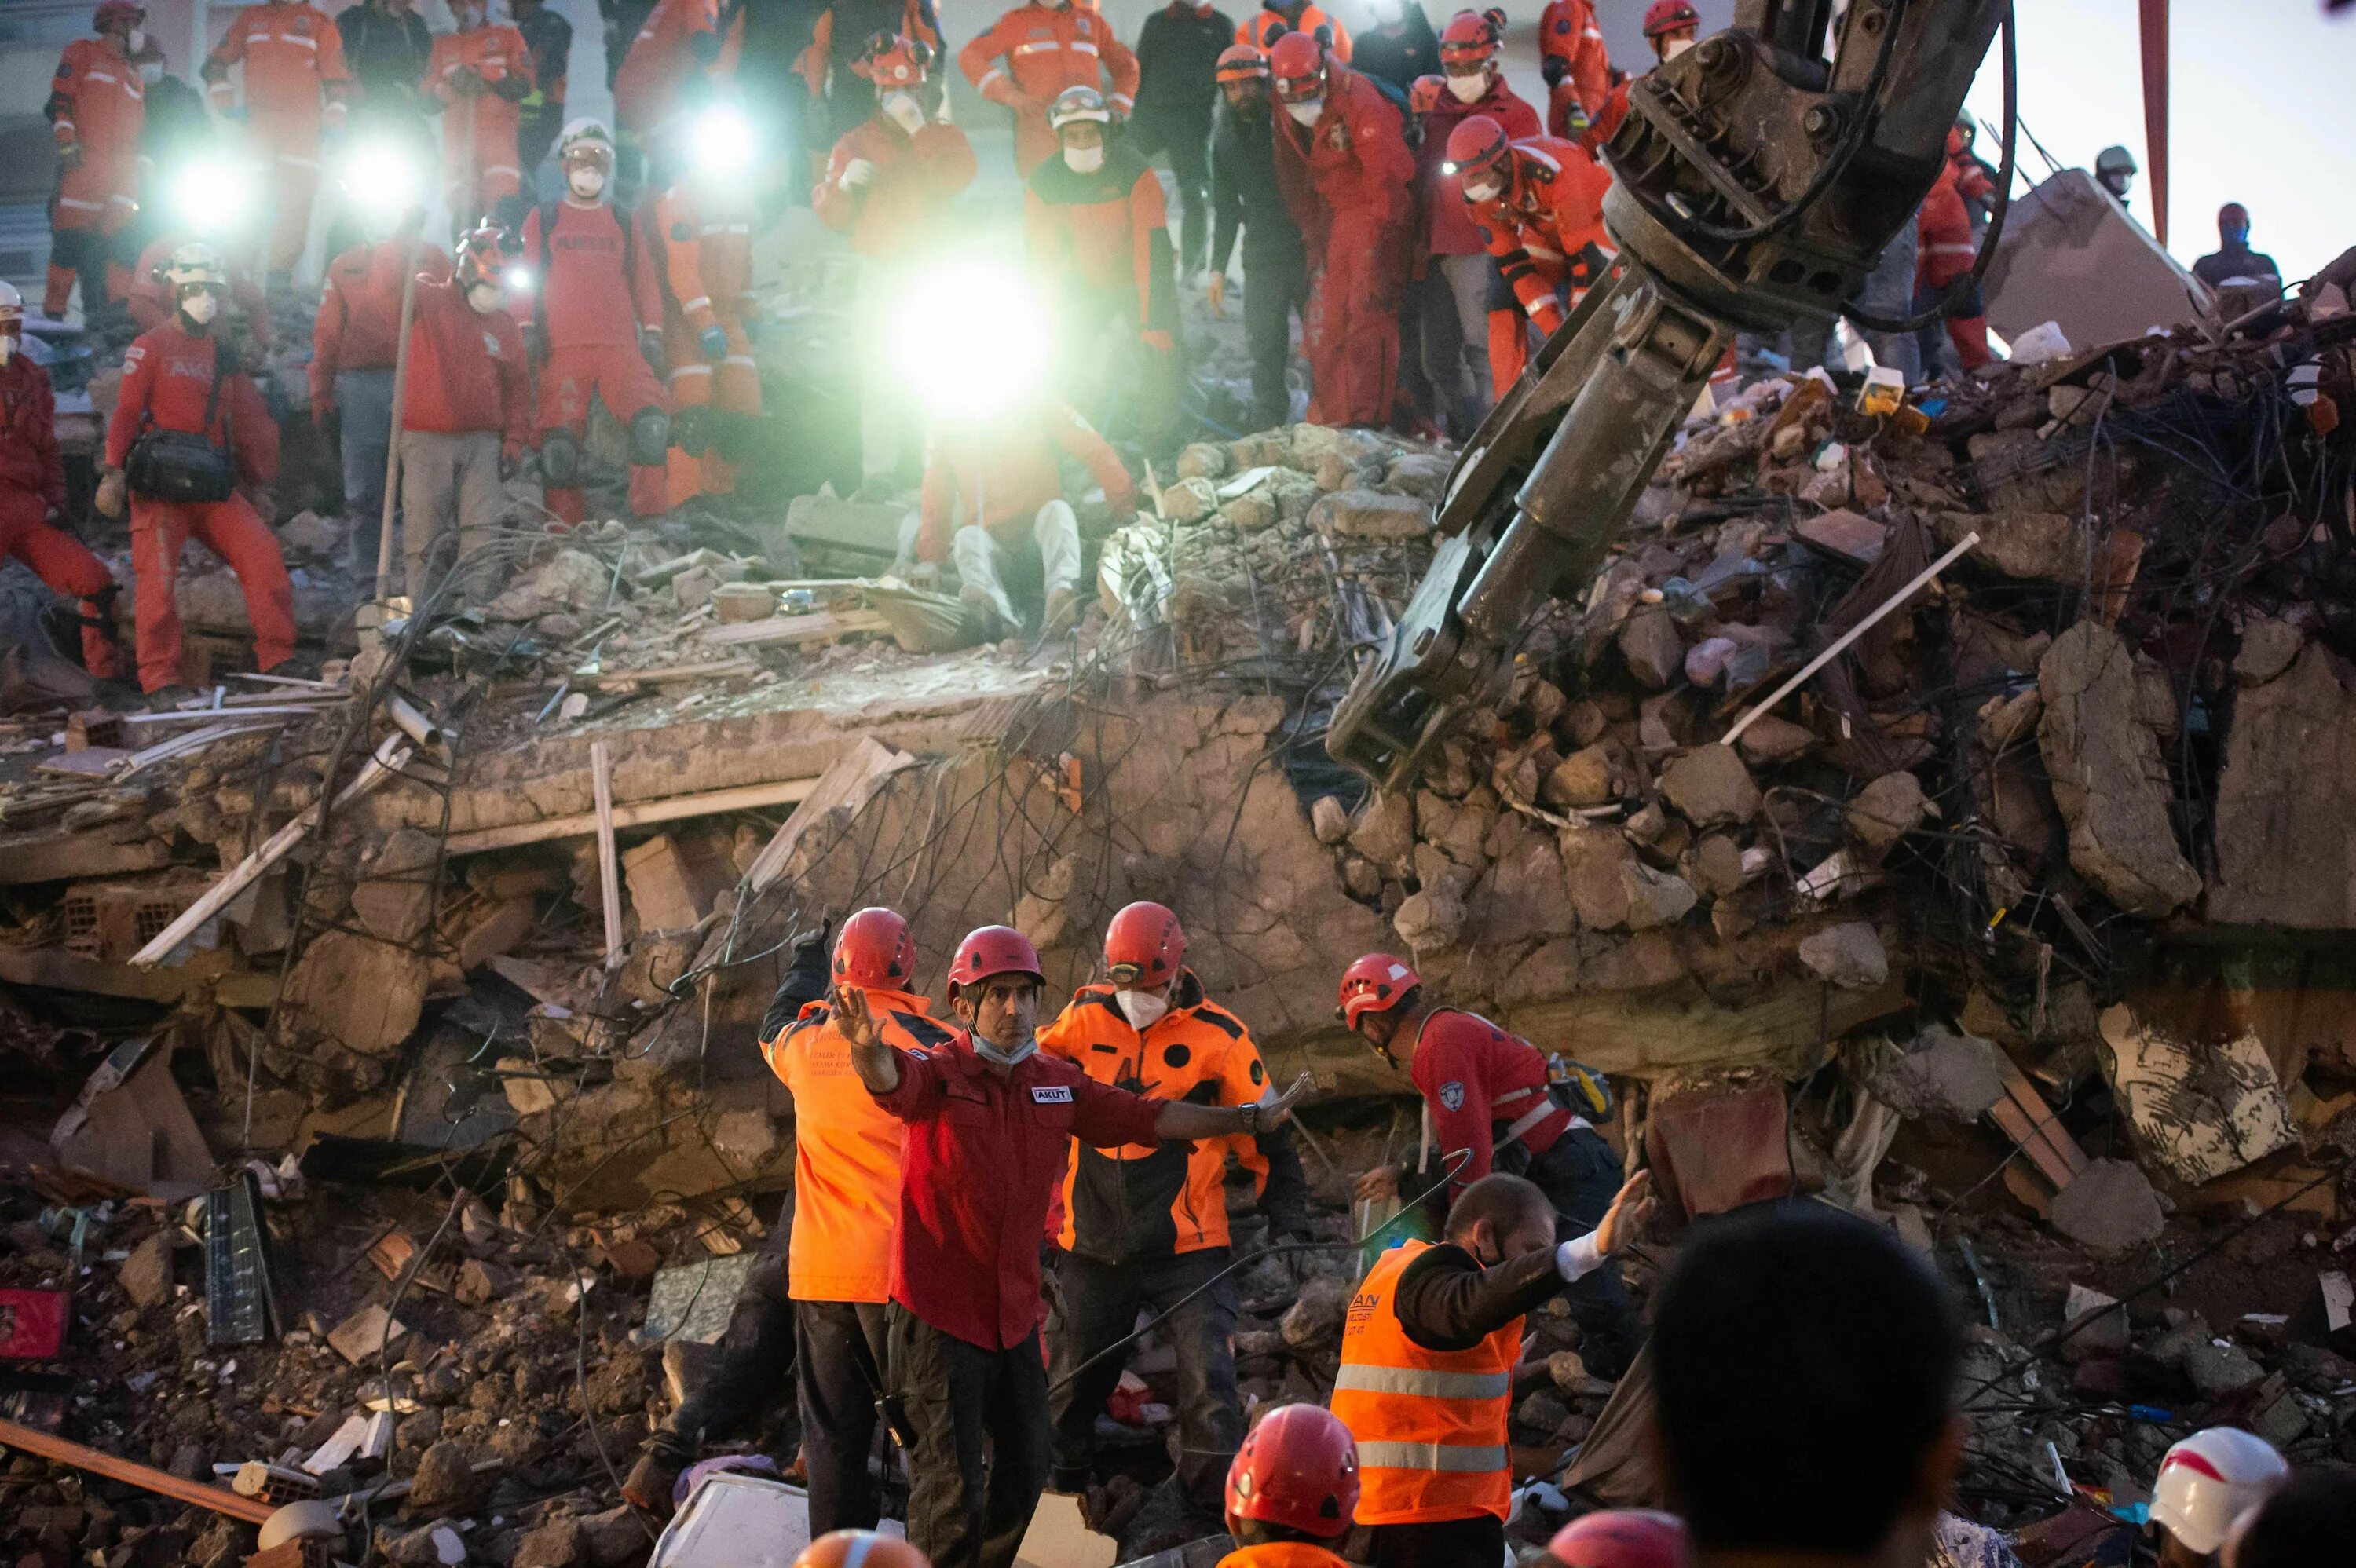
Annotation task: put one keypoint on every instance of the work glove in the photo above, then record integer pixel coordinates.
(466, 81)
(715, 343)
(1554, 69)
(112, 490)
(650, 344)
(857, 175)
(70, 156)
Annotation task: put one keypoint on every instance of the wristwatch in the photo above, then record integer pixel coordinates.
(1251, 1118)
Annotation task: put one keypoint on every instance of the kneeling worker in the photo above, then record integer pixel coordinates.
(1292, 1489)
(989, 1119)
(1428, 1355)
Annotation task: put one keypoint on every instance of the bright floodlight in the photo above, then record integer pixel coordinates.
(381, 178)
(517, 278)
(213, 194)
(971, 339)
(723, 140)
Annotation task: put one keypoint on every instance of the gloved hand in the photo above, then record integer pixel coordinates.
(1554, 68)
(465, 81)
(1214, 289)
(650, 344)
(1575, 120)
(70, 156)
(114, 489)
(857, 175)
(715, 343)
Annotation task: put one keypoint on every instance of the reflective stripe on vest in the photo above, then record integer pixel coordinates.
(1429, 1424)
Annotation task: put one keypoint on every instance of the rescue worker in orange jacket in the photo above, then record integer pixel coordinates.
(355, 339)
(1146, 1227)
(1538, 204)
(1342, 153)
(33, 493)
(1272, 21)
(1294, 1485)
(682, 40)
(1671, 27)
(476, 77)
(1428, 1357)
(703, 229)
(1576, 64)
(840, 39)
(1946, 251)
(294, 88)
(1035, 51)
(596, 316)
(97, 105)
(181, 378)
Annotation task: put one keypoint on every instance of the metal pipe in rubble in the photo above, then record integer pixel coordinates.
(392, 442)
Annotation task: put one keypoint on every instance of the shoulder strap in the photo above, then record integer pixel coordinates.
(548, 210)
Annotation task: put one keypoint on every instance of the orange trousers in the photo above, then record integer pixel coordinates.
(232, 530)
(731, 388)
(287, 149)
(66, 564)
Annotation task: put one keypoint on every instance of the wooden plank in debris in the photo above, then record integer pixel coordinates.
(851, 781)
(58, 1451)
(779, 631)
(60, 855)
(1845, 535)
(2029, 1122)
(744, 797)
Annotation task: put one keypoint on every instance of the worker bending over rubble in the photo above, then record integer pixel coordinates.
(1292, 1490)
(1145, 1226)
(190, 427)
(1577, 66)
(466, 410)
(1491, 1102)
(989, 1119)
(1429, 1348)
(1537, 203)
(33, 493)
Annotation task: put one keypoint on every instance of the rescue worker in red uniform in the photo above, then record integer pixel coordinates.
(1034, 52)
(989, 1120)
(1145, 1227)
(888, 184)
(1538, 204)
(1343, 154)
(476, 77)
(294, 88)
(149, 298)
(844, 36)
(1576, 64)
(703, 228)
(354, 342)
(1946, 251)
(681, 42)
(1272, 21)
(466, 409)
(596, 317)
(1429, 1348)
(1292, 1490)
(1457, 277)
(180, 377)
(1489, 1099)
(97, 105)
(33, 493)
(1671, 27)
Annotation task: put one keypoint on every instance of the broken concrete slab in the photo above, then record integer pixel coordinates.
(364, 994)
(2268, 647)
(1887, 810)
(1849, 955)
(1370, 515)
(1654, 651)
(667, 892)
(2108, 781)
(365, 1334)
(2110, 1207)
(2285, 819)
(1710, 787)
(2042, 547)
(1942, 1075)
(2199, 1109)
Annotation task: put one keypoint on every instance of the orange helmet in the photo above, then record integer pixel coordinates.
(1298, 1468)
(860, 1549)
(1469, 38)
(891, 61)
(1143, 945)
(993, 950)
(1424, 93)
(1243, 62)
(874, 948)
(1297, 63)
(1374, 984)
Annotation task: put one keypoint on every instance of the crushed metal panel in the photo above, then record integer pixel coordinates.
(2071, 255)
(694, 1301)
(2200, 1111)
(737, 1522)
(1059, 1537)
(241, 1308)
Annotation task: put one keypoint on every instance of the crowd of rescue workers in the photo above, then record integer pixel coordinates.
(1427, 227)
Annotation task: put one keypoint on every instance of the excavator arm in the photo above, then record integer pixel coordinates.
(1756, 181)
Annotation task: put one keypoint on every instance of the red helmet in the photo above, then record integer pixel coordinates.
(1424, 93)
(1375, 985)
(1469, 38)
(1479, 146)
(1298, 64)
(1669, 15)
(483, 256)
(860, 1549)
(994, 950)
(1243, 62)
(1143, 945)
(112, 14)
(1622, 1538)
(873, 948)
(891, 61)
(1298, 1468)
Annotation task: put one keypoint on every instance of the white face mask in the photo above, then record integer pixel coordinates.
(1084, 160)
(135, 41)
(1469, 89)
(469, 17)
(1306, 112)
(482, 298)
(150, 71)
(1003, 1056)
(1675, 48)
(903, 110)
(1481, 190)
(7, 347)
(587, 182)
(1143, 1009)
(200, 308)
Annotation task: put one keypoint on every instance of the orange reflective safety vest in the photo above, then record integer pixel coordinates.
(1282, 1554)
(98, 103)
(1032, 53)
(481, 121)
(1143, 1200)
(846, 1150)
(1566, 32)
(291, 53)
(1265, 26)
(1429, 1424)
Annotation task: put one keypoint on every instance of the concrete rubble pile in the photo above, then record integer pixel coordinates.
(2019, 927)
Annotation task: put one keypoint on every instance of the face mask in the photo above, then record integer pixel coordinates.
(1675, 48)
(200, 308)
(482, 298)
(2235, 239)
(1001, 1056)
(1469, 89)
(469, 17)
(903, 110)
(7, 347)
(1143, 1009)
(1306, 112)
(134, 40)
(150, 71)
(1084, 160)
(587, 182)
(1481, 190)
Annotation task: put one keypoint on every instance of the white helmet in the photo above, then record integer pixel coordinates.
(11, 306)
(586, 138)
(2210, 1479)
(195, 262)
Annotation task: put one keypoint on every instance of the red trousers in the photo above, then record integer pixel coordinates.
(1351, 329)
(1969, 335)
(619, 374)
(732, 387)
(65, 563)
(232, 530)
(95, 198)
(287, 149)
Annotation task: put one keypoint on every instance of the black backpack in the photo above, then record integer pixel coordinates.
(184, 465)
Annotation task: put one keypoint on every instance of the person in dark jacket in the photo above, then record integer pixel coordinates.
(549, 37)
(1247, 199)
(2233, 259)
(386, 45)
(1177, 64)
(1399, 47)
